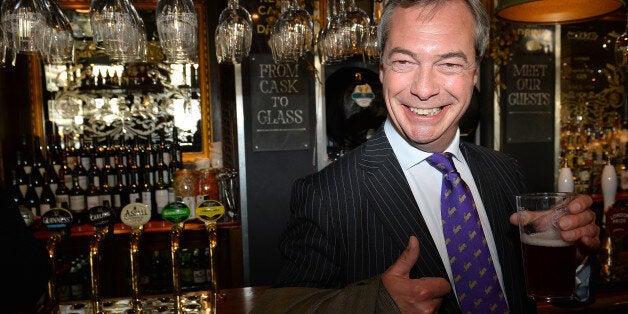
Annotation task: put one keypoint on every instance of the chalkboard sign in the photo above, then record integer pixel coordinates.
(530, 81)
(281, 97)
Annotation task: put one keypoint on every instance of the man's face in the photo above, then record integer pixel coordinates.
(428, 71)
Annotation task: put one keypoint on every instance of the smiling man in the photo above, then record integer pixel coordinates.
(376, 230)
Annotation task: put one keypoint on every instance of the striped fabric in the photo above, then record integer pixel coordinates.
(352, 220)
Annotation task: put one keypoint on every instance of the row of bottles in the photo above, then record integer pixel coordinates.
(138, 75)
(194, 270)
(586, 149)
(73, 273)
(84, 176)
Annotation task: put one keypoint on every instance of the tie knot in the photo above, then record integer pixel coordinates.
(443, 162)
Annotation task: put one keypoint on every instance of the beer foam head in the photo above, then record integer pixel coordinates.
(547, 239)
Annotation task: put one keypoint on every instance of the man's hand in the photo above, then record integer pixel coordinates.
(579, 225)
(423, 295)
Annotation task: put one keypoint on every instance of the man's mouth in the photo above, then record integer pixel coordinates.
(425, 112)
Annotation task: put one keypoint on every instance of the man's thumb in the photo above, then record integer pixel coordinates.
(408, 258)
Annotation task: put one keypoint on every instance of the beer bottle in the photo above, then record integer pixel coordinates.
(38, 163)
(161, 195)
(105, 193)
(66, 173)
(77, 201)
(20, 175)
(134, 190)
(31, 197)
(121, 171)
(147, 193)
(198, 269)
(133, 169)
(13, 190)
(26, 153)
(47, 200)
(94, 172)
(147, 167)
(62, 193)
(108, 172)
(120, 195)
(51, 178)
(92, 194)
(80, 173)
(37, 180)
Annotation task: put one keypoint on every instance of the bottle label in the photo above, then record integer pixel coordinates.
(77, 203)
(92, 201)
(147, 198)
(161, 199)
(62, 198)
(199, 276)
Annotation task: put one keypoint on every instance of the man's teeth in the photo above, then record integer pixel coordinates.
(425, 112)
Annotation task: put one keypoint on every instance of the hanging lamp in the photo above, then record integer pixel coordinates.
(555, 11)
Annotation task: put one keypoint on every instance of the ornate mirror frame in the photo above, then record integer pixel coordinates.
(37, 88)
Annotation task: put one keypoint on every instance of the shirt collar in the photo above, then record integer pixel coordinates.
(409, 155)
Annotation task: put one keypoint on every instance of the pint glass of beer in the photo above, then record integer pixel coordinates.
(549, 262)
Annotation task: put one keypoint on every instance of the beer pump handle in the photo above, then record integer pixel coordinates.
(135, 215)
(209, 211)
(177, 213)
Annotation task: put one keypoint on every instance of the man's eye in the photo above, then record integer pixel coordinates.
(452, 67)
(403, 66)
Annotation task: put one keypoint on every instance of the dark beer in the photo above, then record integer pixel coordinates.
(550, 267)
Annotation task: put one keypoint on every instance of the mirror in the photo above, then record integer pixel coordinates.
(98, 100)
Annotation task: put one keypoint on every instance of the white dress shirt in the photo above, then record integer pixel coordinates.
(425, 183)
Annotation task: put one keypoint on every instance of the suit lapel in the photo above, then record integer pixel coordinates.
(396, 208)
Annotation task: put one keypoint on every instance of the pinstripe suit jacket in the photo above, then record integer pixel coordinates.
(352, 220)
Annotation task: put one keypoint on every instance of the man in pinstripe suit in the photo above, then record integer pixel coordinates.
(365, 233)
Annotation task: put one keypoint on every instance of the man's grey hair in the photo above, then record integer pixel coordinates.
(477, 9)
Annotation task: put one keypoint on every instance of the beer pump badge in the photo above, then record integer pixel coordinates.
(57, 219)
(209, 210)
(135, 215)
(100, 216)
(175, 212)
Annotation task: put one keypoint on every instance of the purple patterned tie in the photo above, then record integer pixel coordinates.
(475, 278)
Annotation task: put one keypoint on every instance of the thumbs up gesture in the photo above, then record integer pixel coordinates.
(421, 295)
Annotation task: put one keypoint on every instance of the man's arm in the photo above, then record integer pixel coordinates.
(366, 296)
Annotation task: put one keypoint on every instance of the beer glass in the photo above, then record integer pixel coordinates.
(549, 262)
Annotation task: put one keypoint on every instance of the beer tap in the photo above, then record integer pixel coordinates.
(209, 211)
(101, 217)
(177, 213)
(58, 221)
(135, 215)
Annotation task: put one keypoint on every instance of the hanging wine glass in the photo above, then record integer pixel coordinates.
(3, 47)
(20, 19)
(55, 41)
(8, 54)
(234, 34)
(290, 37)
(118, 29)
(304, 27)
(336, 43)
(359, 30)
(371, 48)
(177, 27)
